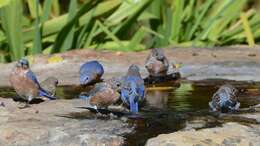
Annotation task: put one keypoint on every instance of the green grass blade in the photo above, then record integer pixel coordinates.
(11, 17)
(212, 20)
(90, 36)
(67, 28)
(32, 8)
(4, 3)
(56, 8)
(124, 27)
(199, 18)
(248, 32)
(110, 34)
(67, 43)
(137, 38)
(46, 10)
(178, 8)
(37, 46)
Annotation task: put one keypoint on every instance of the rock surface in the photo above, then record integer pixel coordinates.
(233, 63)
(60, 123)
(231, 134)
(57, 123)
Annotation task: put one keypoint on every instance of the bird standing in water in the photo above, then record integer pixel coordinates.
(132, 89)
(225, 99)
(25, 83)
(156, 63)
(103, 94)
(90, 72)
(49, 85)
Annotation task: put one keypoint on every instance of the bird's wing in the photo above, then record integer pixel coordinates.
(31, 76)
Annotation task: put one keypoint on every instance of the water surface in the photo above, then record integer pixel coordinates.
(168, 106)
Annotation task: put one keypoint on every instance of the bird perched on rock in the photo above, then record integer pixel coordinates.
(25, 82)
(90, 72)
(103, 94)
(156, 63)
(132, 89)
(225, 99)
(49, 85)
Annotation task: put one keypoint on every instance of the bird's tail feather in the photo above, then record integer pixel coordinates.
(45, 94)
(133, 106)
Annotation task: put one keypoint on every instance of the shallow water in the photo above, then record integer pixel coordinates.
(169, 106)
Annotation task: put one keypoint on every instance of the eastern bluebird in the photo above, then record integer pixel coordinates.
(156, 63)
(103, 94)
(25, 82)
(49, 85)
(132, 88)
(90, 72)
(225, 99)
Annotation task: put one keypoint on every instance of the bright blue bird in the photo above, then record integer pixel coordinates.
(90, 72)
(133, 89)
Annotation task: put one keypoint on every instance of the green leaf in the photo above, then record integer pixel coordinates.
(37, 46)
(178, 8)
(248, 32)
(11, 17)
(46, 10)
(4, 3)
(67, 43)
(67, 28)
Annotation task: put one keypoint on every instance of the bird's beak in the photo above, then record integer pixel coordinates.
(84, 80)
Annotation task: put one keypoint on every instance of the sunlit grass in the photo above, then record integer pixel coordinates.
(30, 27)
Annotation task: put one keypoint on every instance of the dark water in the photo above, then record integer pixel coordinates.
(170, 109)
(169, 106)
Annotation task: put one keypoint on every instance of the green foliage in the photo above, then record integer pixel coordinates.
(33, 26)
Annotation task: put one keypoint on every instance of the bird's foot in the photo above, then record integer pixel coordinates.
(24, 106)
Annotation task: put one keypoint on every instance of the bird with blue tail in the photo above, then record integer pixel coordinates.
(156, 63)
(25, 83)
(225, 99)
(49, 85)
(90, 72)
(103, 94)
(133, 89)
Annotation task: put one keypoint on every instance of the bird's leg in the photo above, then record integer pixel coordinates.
(27, 104)
(95, 107)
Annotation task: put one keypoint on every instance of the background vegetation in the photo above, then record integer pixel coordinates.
(29, 27)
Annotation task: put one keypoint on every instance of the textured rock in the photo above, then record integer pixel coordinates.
(226, 63)
(57, 123)
(230, 134)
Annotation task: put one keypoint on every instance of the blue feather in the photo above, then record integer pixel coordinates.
(42, 92)
(31, 76)
(133, 105)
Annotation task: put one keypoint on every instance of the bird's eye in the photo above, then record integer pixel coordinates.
(118, 84)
